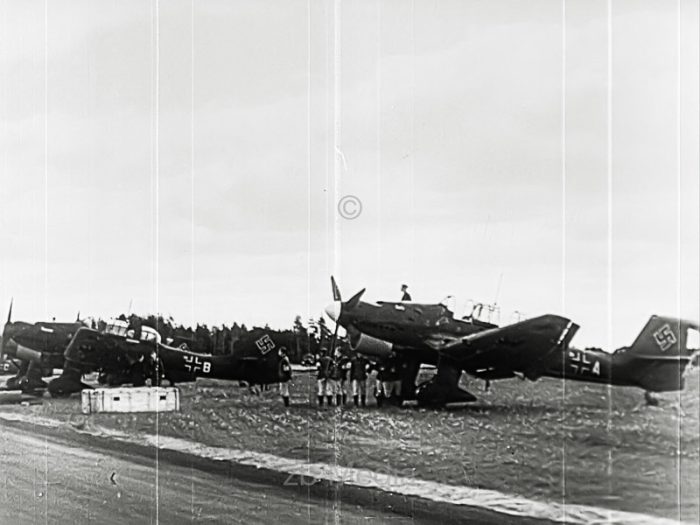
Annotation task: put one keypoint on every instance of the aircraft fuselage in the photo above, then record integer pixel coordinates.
(422, 327)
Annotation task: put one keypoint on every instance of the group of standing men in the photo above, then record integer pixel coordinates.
(334, 372)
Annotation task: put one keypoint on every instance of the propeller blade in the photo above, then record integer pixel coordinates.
(336, 290)
(335, 339)
(77, 317)
(9, 312)
(354, 300)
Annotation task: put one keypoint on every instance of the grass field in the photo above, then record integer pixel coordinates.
(549, 440)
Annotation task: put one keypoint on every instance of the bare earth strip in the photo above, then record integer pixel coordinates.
(557, 449)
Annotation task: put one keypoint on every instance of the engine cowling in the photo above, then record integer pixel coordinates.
(370, 346)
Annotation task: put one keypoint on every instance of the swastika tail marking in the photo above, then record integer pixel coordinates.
(664, 337)
(265, 344)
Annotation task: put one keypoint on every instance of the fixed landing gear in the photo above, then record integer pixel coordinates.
(66, 384)
(442, 388)
(29, 380)
(408, 381)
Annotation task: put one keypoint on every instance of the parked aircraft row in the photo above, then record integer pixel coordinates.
(124, 354)
(413, 333)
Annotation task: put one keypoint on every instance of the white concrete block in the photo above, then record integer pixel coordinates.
(128, 400)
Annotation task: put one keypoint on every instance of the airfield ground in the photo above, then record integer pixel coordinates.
(548, 440)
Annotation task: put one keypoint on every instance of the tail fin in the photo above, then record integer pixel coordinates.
(661, 354)
(258, 355)
(661, 337)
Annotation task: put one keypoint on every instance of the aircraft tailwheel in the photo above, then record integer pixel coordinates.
(650, 399)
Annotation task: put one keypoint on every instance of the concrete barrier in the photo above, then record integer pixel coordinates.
(141, 399)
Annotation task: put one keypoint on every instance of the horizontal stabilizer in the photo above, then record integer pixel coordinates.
(665, 358)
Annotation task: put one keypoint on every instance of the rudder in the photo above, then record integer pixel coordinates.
(661, 336)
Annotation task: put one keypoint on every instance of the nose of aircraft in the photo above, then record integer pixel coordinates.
(333, 310)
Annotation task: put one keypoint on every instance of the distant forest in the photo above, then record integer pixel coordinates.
(222, 339)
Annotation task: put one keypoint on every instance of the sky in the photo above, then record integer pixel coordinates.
(188, 158)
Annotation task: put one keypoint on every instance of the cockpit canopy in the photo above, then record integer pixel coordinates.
(147, 334)
(472, 310)
(122, 329)
(117, 327)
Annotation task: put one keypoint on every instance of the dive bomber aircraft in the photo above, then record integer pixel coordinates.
(430, 333)
(36, 349)
(124, 354)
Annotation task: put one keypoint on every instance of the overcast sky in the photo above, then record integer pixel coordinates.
(188, 157)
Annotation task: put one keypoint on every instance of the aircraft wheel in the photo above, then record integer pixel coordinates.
(113, 380)
(59, 394)
(66, 384)
(138, 378)
(394, 401)
(13, 383)
(426, 403)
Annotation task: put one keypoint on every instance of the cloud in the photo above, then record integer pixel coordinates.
(451, 134)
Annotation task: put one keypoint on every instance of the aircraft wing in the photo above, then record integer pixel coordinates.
(521, 347)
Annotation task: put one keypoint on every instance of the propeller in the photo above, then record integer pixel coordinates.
(337, 298)
(334, 310)
(354, 300)
(5, 330)
(334, 341)
(336, 290)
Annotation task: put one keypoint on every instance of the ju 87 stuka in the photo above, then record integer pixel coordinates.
(124, 354)
(35, 350)
(418, 333)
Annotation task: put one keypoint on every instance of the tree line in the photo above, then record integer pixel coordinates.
(308, 340)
